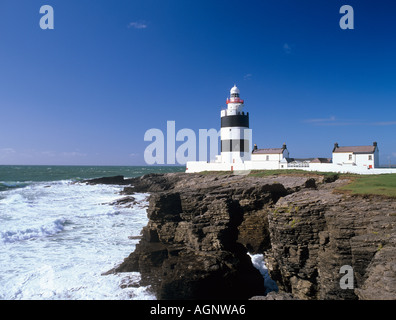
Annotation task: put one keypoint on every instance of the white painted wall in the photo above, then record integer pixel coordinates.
(235, 157)
(343, 158)
(270, 156)
(266, 157)
(360, 160)
(235, 133)
(365, 160)
(199, 166)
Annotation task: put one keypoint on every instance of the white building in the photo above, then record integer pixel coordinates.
(274, 158)
(237, 154)
(361, 156)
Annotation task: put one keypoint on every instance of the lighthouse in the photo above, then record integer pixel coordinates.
(235, 134)
(237, 154)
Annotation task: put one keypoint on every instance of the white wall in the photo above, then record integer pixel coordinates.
(199, 166)
(330, 167)
(343, 158)
(272, 162)
(235, 133)
(262, 165)
(263, 157)
(235, 157)
(360, 160)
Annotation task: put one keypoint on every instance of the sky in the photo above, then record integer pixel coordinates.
(87, 91)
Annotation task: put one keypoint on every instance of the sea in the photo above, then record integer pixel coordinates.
(59, 235)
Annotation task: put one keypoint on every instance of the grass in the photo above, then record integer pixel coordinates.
(275, 172)
(291, 172)
(383, 185)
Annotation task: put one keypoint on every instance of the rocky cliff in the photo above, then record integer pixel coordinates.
(202, 226)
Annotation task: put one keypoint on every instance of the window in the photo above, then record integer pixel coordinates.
(350, 157)
(370, 157)
(267, 158)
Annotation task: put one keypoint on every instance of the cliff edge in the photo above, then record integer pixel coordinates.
(201, 227)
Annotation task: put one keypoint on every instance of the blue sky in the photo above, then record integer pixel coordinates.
(86, 92)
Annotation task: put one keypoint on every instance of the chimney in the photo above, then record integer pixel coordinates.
(284, 146)
(254, 148)
(335, 146)
(374, 144)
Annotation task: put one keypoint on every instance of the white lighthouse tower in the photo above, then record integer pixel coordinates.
(235, 133)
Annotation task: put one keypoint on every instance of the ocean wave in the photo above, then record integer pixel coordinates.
(30, 233)
(7, 185)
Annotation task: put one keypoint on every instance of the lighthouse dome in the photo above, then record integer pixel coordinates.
(234, 89)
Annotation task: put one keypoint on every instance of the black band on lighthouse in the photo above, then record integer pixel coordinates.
(234, 145)
(240, 120)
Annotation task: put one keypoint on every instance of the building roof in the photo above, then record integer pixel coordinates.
(269, 151)
(356, 150)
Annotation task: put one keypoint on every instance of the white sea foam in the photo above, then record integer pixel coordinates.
(259, 263)
(57, 238)
(29, 233)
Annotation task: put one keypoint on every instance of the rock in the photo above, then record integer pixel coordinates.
(189, 249)
(129, 201)
(117, 180)
(202, 226)
(281, 295)
(134, 237)
(314, 233)
(331, 178)
(310, 183)
(380, 280)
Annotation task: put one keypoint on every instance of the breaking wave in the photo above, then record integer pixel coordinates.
(7, 185)
(33, 232)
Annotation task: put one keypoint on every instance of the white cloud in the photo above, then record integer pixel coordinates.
(247, 76)
(73, 154)
(48, 153)
(137, 25)
(321, 120)
(333, 121)
(7, 151)
(385, 123)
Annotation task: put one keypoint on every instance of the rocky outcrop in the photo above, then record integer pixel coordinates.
(190, 247)
(274, 296)
(108, 180)
(202, 226)
(316, 232)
